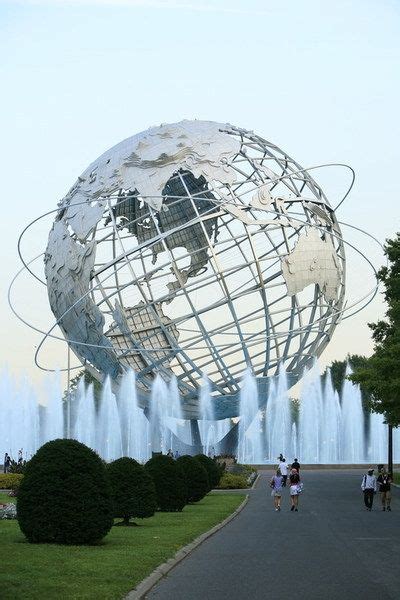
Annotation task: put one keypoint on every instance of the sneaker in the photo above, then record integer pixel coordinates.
(279, 508)
(388, 508)
(383, 508)
(296, 510)
(292, 508)
(276, 510)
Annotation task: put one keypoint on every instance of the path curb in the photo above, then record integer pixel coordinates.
(147, 584)
(255, 481)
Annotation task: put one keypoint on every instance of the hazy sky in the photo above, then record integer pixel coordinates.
(320, 79)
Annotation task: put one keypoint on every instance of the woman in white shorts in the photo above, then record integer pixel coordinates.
(294, 480)
(276, 483)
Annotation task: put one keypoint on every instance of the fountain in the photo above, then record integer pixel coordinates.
(352, 425)
(278, 420)
(108, 439)
(320, 427)
(250, 442)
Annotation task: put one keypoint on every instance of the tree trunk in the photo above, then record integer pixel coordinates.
(390, 450)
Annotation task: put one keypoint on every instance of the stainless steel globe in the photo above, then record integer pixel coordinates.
(196, 247)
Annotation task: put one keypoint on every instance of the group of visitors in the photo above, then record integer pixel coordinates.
(171, 454)
(279, 481)
(8, 462)
(369, 486)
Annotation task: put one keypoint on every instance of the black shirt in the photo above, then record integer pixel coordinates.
(384, 482)
(296, 465)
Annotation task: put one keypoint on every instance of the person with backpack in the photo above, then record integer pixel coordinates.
(276, 484)
(296, 465)
(384, 480)
(295, 489)
(368, 486)
(283, 467)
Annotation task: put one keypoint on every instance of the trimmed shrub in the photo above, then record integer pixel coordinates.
(133, 492)
(213, 469)
(230, 481)
(170, 482)
(196, 477)
(10, 481)
(64, 496)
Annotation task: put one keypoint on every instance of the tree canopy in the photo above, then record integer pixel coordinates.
(338, 374)
(380, 374)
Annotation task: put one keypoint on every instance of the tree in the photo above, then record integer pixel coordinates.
(213, 469)
(196, 477)
(132, 490)
(380, 375)
(170, 482)
(338, 375)
(64, 496)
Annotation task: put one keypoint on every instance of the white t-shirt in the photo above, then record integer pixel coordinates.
(283, 468)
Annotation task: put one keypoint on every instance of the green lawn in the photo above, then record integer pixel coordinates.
(396, 478)
(110, 569)
(6, 499)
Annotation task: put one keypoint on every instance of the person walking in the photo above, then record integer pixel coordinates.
(170, 453)
(7, 463)
(295, 489)
(368, 486)
(296, 465)
(384, 480)
(276, 484)
(284, 470)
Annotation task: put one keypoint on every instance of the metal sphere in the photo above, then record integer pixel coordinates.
(196, 247)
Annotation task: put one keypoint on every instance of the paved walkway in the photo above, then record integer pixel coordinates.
(331, 549)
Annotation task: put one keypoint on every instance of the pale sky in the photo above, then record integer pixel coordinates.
(319, 79)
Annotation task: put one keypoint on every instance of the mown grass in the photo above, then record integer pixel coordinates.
(113, 567)
(6, 499)
(396, 478)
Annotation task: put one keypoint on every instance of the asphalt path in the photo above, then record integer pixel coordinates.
(331, 549)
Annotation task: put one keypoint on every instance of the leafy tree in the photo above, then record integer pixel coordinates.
(380, 374)
(88, 379)
(196, 477)
(170, 482)
(338, 375)
(132, 490)
(64, 496)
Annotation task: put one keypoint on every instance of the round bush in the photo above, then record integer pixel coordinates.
(132, 490)
(64, 496)
(170, 482)
(196, 477)
(213, 470)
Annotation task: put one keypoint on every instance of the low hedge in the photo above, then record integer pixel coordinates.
(230, 481)
(239, 469)
(10, 481)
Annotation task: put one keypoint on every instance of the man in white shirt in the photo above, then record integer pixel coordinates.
(368, 486)
(283, 469)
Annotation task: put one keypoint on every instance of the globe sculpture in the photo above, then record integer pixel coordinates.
(191, 248)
